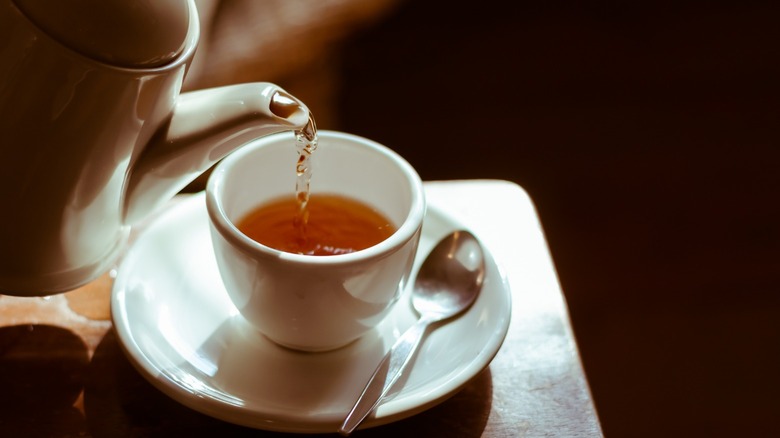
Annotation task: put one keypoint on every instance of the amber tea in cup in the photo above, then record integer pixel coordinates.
(332, 225)
(315, 303)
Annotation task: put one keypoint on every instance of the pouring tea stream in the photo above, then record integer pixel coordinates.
(95, 133)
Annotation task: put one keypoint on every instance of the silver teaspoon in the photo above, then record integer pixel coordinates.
(447, 283)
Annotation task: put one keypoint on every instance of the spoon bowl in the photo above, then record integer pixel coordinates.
(450, 278)
(447, 284)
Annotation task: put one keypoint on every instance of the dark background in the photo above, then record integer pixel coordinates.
(647, 135)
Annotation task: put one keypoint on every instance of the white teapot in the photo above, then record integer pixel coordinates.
(94, 133)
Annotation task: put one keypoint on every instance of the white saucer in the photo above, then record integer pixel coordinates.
(180, 330)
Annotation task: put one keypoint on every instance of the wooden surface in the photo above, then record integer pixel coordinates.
(63, 371)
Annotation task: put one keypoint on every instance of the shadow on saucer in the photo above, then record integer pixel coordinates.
(120, 402)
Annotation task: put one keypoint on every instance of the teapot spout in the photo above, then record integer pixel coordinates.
(206, 125)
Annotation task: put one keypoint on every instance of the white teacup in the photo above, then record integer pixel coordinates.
(306, 302)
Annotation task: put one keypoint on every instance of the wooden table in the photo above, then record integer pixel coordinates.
(63, 373)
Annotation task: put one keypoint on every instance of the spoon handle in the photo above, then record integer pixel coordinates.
(386, 374)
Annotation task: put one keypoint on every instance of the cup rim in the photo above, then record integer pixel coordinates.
(405, 232)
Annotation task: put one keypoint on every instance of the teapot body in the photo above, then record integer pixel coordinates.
(70, 129)
(89, 145)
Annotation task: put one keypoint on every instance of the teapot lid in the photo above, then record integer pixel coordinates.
(126, 33)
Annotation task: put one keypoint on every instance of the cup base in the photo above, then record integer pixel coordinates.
(309, 349)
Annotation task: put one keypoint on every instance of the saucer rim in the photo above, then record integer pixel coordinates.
(393, 410)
